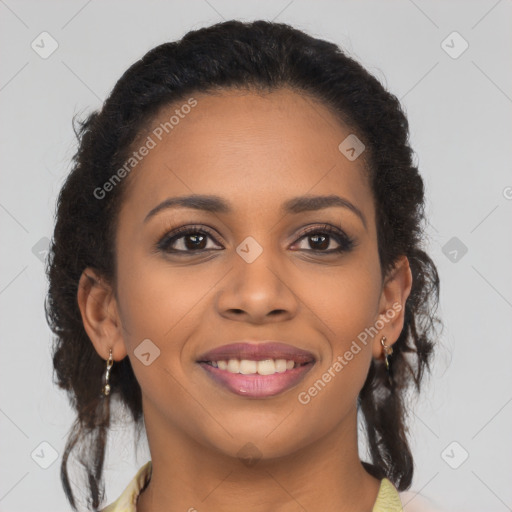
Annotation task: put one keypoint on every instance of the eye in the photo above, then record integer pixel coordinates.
(194, 239)
(320, 238)
(186, 239)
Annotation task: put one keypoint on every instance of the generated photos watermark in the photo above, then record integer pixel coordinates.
(304, 397)
(150, 143)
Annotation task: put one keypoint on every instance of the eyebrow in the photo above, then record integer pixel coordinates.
(215, 204)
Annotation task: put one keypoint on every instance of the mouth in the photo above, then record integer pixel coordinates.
(257, 370)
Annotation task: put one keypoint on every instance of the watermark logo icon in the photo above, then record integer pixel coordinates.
(454, 249)
(44, 45)
(351, 147)
(44, 455)
(454, 45)
(454, 455)
(249, 454)
(249, 249)
(146, 352)
(40, 249)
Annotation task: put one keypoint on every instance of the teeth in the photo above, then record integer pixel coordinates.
(247, 367)
(250, 367)
(234, 366)
(266, 367)
(280, 365)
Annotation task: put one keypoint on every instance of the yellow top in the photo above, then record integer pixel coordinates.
(388, 499)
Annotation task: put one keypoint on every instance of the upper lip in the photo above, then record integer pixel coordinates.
(257, 351)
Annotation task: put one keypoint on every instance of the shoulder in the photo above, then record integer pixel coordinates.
(128, 499)
(416, 502)
(389, 499)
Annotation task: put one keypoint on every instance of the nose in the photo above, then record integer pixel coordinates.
(258, 292)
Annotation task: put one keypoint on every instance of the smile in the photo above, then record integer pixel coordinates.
(257, 370)
(250, 367)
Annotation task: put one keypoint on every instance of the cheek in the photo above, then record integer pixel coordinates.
(331, 392)
(158, 304)
(348, 301)
(154, 298)
(348, 305)
(353, 310)
(165, 305)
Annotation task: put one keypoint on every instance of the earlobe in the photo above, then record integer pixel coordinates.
(99, 314)
(395, 291)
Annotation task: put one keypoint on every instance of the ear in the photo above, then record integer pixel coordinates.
(100, 317)
(396, 287)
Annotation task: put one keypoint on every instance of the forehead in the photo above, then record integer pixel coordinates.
(255, 148)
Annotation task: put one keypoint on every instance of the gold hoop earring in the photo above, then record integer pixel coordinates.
(106, 388)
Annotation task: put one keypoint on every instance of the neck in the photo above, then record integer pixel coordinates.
(325, 475)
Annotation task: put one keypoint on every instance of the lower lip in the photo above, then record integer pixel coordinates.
(255, 385)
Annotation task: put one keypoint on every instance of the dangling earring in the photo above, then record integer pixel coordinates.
(106, 388)
(387, 350)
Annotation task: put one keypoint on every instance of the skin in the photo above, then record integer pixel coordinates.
(255, 151)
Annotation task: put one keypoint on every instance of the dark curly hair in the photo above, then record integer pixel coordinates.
(264, 56)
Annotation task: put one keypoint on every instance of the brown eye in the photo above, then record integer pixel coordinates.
(188, 239)
(194, 241)
(319, 239)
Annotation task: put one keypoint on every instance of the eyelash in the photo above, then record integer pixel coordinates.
(345, 242)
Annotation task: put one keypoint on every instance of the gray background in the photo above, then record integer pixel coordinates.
(460, 116)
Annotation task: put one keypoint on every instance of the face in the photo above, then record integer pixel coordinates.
(254, 264)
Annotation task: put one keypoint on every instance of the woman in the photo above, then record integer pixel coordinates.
(237, 259)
